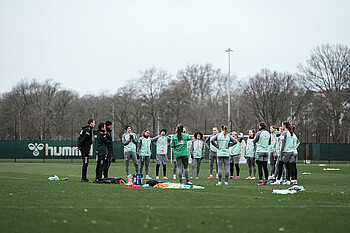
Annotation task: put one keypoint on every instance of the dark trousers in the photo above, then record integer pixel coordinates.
(85, 158)
(108, 164)
(295, 171)
(273, 161)
(232, 168)
(101, 165)
(288, 170)
(157, 169)
(262, 166)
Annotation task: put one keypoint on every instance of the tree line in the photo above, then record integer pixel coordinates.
(316, 99)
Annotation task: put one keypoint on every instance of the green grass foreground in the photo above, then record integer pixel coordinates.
(31, 203)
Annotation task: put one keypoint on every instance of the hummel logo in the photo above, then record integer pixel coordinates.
(35, 148)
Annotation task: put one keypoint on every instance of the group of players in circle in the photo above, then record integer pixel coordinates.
(279, 145)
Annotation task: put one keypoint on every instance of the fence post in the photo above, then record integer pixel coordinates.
(44, 153)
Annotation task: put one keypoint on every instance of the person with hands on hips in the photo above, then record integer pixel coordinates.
(179, 144)
(223, 141)
(162, 143)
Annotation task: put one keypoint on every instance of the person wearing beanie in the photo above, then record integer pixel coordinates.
(101, 150)
(109, 128)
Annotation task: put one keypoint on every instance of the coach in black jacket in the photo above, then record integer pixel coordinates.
(109, 128)
(84, 145)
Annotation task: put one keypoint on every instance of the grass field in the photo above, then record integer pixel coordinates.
(31, 203)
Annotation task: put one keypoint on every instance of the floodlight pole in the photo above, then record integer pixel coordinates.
(229, 50)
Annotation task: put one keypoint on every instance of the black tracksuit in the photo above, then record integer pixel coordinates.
(110, 152)
(101, 153)
(84, 144)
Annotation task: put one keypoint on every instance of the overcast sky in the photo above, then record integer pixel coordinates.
(95, 45)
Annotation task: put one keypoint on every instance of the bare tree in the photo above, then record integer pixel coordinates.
(203, 82)
(270, 95)
(175, 105)
(327, 75)
(150, 85)
(36, 109)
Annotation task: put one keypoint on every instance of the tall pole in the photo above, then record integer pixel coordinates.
(228, 88)
(113, 120)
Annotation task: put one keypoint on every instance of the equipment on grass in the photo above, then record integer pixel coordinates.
(297, 188)
(284, 191)
(110, 180)
(57, 178)
(162, 185)
(331, 169)
(152, 182)
(137, 179)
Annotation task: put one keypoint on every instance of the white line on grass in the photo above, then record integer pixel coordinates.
(176, 207)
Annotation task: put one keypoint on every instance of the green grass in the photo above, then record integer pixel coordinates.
(31, 203)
